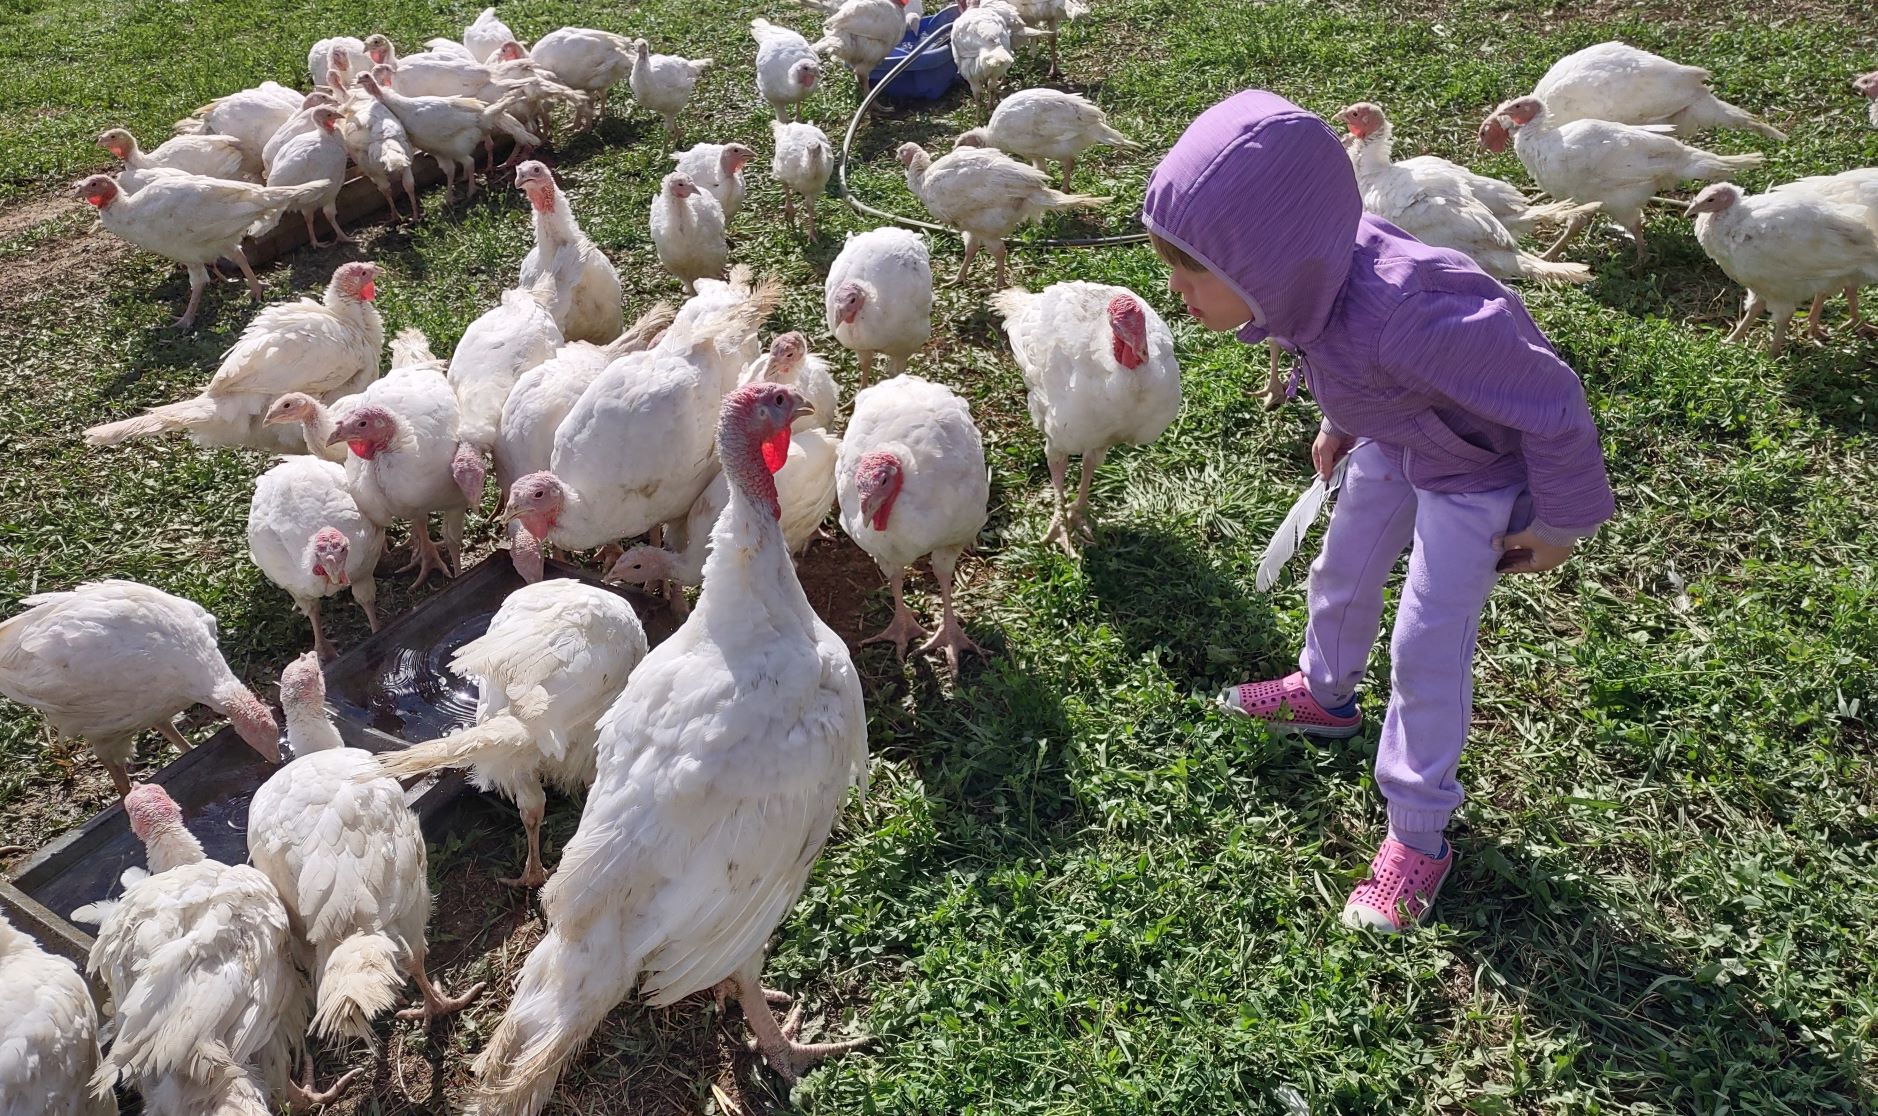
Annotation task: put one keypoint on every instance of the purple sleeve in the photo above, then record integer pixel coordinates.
(1488, 358)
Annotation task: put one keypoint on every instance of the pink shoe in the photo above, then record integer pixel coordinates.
(1286, 704)
(1402, 885)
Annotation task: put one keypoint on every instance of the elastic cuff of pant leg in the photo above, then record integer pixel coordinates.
(1333, 702)
(1419, 821)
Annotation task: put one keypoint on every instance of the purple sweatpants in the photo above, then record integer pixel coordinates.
(1377, 515)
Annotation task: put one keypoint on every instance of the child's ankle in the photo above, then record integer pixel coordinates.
(1430, 843)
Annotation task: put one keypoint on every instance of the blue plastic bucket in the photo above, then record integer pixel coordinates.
(931, 74)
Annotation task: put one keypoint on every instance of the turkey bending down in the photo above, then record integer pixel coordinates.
(878, 297)
(985, 194)
(709, 808)
(1618, 82)
(554, 658)
(307, 535)
(198, 956)
(911, 480)
(1100, 368)
(157, 650)
(1042, 124)
(334, 836)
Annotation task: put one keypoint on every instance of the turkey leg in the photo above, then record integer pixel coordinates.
(301, 1094)
(321, 648)
(1001, 253)
(904, 626)
(1571, 229)
(435, 1002)
(170, 733)
(965, 265)
(808, 207)
(1069, 168)
(1814, 328)
(789, 1058)
(453, 540)
(1079, 516)
(1748, 313)
(1056, 67)
(1780, 333)
(120, 778)
(312, 238)
(424, 556)
(1059, 530)
(950, 637)
(332, 218)
(198, 279)
(1858, 317)
(864, 361)
(533, 804)
(254, 285)
(1274, 393)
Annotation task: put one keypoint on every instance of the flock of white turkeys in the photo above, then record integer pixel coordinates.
(705, 810)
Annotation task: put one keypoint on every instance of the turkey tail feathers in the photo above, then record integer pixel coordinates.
(1297, 523)
(157, 420)
(463, 748)
(1542, 270)
(359, 981)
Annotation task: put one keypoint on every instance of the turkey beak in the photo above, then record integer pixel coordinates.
(337, 437)
(803, 408)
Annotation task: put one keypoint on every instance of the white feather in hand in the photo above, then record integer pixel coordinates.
(1297, 524)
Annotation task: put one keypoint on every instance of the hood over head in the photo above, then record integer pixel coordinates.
(1263, 193)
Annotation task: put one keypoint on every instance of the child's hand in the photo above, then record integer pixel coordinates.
(1526, 552)
(1329, 449)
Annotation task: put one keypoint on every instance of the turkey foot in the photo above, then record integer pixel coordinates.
(950, 637)
(1274, 394)
(1078, 519)
(301, 1094)
(424, 557)
(435, 1002)
(904, 626)
(789, 1058)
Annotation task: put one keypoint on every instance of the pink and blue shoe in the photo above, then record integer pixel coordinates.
(1402, 885)
(1286, 704)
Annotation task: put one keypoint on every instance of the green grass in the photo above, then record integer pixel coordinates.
(1073, 887)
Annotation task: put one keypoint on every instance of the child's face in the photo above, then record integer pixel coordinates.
(1210, 300)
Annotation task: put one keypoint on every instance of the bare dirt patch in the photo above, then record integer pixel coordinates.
(47, 240)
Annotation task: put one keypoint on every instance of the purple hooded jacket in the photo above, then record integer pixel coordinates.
(1409, 345)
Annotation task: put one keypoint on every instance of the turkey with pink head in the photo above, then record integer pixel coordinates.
(708, 809)
(307, 535)
(878, 297)
(589, 307)
(110, 659)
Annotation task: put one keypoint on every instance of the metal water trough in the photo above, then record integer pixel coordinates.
(392, 690)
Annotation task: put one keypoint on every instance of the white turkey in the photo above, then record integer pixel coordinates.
(1435, 209)
(911, 479)
(718, 169)
(1867, 86)
(213, 156)
(1041, 124)
(1100, 371)
(555, 656)
(511, 337)
(332, 833)
(195, 221)
(789, 361)
(378, 143)
(547, 392)
(589, 60)
(787, 68)
(688, 231)
(252, 116)
(328, 349)
(299, 124)
(636, 450)
(315, 156)
(486, 34)
(878, 297)
(1619, 166)
(197, 956)
(590, 308)
(663, 83)
(450, 128)
(407, 458)
(708, 810)
(803, 161)
(985, 194)
(1618, 82)
(981, 46)
(1049, 16)
(343, 54)
(1372, 142)
(861, 33)
(1785, 248)
(1856, 188)
(306, 533)
(110, 659)
(48, 1033)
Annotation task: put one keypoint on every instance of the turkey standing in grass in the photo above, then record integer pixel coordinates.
(486, 34)
(589, 309)
(688, 231)
(48, 1033)
(332, 833)
(308, 536)
(1620, 166)
(717, 168)
(985, 194)
(1785, 248)
(878, 297)
(513, 336)
(981, 47)
(554, 658)
(1618, 82)
(1040, 124)
(861, 33)
(1049, 16)
(315, 156)
(327, 349)
(212, 156)
(786, 68)
(803, 161)
(109, 659)
(1100, 368)
(1858, 189)
(911, 481)
(251, 116)
(722, 768)
(663, 83)
(1868, 87)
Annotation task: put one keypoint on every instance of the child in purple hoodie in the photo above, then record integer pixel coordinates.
(1469, 440)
